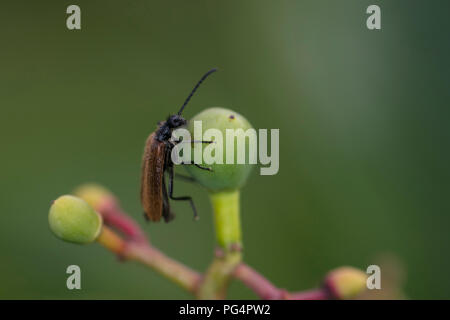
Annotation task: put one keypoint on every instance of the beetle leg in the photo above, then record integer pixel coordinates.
(167, 212)
(174, 142)
(185, 198)
(197, 165)
(203, 168)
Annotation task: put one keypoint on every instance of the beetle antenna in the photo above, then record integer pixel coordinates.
(195, 89)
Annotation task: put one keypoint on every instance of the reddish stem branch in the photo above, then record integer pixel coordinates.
(258, 283)
(137, 247)
(266, 290)
(314, 294)
(164, 265)
(114, 216)
(151, 257)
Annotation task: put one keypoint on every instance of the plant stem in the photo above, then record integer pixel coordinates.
(151, 257)
(164, 265)
(226, 264)
(227, 218)
(111, 241)
(228, 235)
(113, 215)
(314, 294)
(258, 283)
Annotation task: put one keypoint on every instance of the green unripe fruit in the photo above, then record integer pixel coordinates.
(72, 219)
(346, 282)
(223, 177)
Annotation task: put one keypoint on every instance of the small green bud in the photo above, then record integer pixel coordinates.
(346, 282)
(74, 220)
(223, 177)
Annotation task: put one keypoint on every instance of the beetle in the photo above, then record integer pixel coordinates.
(157, 160)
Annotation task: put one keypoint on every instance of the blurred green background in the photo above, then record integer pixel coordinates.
(363, 119)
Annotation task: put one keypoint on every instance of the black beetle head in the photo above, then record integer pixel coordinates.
(175, 121)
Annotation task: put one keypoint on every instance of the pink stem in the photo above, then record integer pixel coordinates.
(266, 290)
(260, 285)
(315, 294)
(114, 216)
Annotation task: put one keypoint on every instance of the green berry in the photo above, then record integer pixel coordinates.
(74, 220)
(346, 282)
(223, 177)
